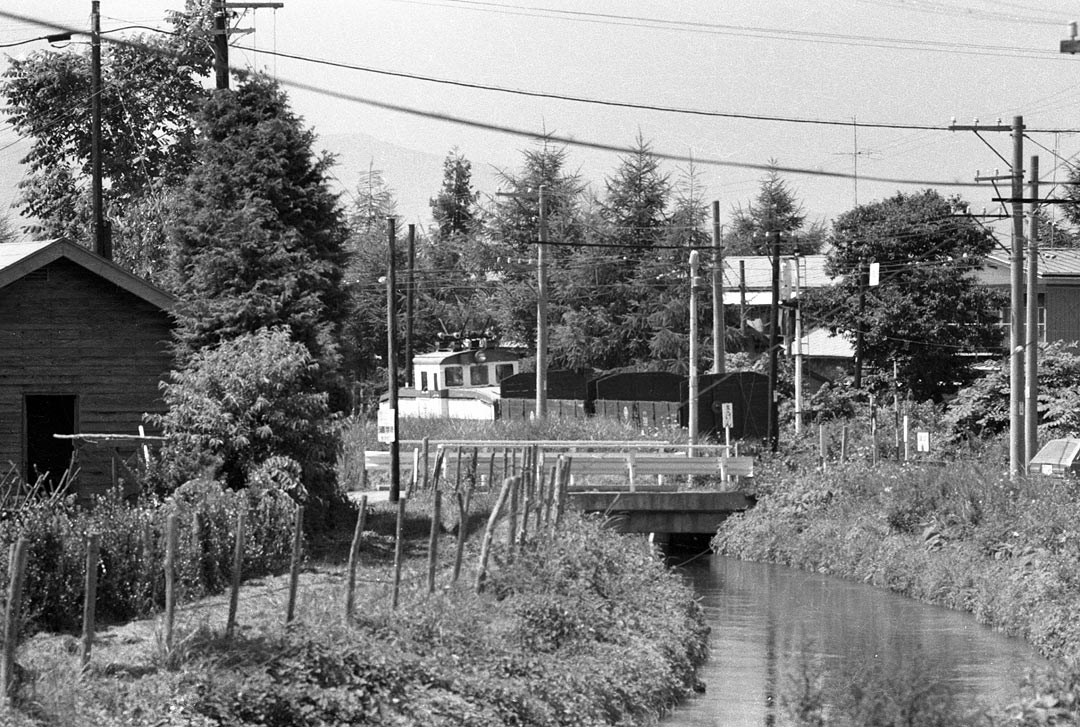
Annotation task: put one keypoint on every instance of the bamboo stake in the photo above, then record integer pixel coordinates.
(511, 529)
(433, 540)
(17, 559)
(354, 557)
(485, 551)
(398, 546)
(294, 566)
(440, 454)
(425, 448)
(564, 484)
(93, 544)
(237, 567)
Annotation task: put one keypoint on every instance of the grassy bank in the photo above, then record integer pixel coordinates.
(586, 628)
(960, 535)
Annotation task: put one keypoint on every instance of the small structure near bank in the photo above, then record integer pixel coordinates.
(84, 347)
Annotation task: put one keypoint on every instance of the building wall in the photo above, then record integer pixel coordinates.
(1062, 312)
(65, 330)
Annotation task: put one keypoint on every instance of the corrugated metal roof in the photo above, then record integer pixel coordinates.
(17, 259)
(1053, 262)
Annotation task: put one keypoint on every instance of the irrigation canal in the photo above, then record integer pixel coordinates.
(768, 620)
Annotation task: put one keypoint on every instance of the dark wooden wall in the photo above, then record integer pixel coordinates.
(1062, 312)
(65, 330)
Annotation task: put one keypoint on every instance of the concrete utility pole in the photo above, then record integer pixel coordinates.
(718, 326)
(1031, 350)
(798, 350)
(1017, 461)
(102, 245)
(772, 425)
(692, 373)
(410, 285)
(542, 309)
(391, 358)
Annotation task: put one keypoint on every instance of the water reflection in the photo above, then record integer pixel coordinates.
(769, 622)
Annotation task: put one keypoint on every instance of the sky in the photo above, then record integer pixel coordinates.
(752, 80)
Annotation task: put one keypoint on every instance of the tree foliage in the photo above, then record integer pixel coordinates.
(258, 238)
(454, 208)
(774, 209)
(150, 93)
(245, 404)
(928, 314)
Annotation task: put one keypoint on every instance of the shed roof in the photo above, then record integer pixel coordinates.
(17, 259)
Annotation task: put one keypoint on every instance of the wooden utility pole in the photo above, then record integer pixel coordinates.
(391, 359)
(798, 350)
(864, 274)
(221, 46)
(542, 309)
(1031, 349)
(692, 373)
(410, 285)
(101, 233)
(718, 327)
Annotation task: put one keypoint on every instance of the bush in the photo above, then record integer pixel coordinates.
(130, 580)
(242, 403)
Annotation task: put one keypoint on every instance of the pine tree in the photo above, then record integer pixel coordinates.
(775, 209)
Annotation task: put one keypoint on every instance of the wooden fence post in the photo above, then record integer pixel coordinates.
(93, 544)
(843, 442)
(170, 579)
(440, 455)
(294, 566)
(463, 530)
(354, 557)
(433, 540)
(526, 495)
(511, 529)
(485, 550)
(237, 567)
(398, 547)
(425, 447)
(17, 561)
(564, 484)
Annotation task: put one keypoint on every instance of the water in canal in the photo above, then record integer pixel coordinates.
(769, 621)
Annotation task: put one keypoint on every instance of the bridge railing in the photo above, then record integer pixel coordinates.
(589, 460)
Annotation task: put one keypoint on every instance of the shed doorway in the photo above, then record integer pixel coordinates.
(46, 415)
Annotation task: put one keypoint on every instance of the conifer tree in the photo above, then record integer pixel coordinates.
(258, 238)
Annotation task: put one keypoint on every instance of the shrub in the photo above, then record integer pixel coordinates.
(130, 581)
(241, 403)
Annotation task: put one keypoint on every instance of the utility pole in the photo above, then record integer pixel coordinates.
(798, 350)
(1031, 350)
(102, 245)
(221, 45)
(718, 327)
(391, 359)
(864, 274)
(1017, 462)
(692, 411)
(772, 425)
(410, 285)
(542, 309)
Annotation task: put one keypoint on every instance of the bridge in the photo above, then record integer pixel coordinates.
(668, 513)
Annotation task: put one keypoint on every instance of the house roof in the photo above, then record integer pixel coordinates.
(757, 271)
(1060, 262)
(819, 343)
(17, 259)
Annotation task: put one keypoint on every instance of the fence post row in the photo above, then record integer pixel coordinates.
(17, 562)
(93, 543)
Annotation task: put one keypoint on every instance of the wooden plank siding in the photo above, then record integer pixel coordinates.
(1062, 311)
(65, 330)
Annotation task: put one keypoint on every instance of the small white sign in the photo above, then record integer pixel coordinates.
(727, 410)
(875, 273)
(922, 441)
(387, 432)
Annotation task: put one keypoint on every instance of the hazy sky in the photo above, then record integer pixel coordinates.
(891, 62)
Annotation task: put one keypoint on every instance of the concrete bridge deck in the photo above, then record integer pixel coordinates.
(663, 512)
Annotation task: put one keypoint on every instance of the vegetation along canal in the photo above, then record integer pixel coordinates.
(772, 626)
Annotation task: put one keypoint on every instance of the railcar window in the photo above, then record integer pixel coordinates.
(423, 380)
(503, 370)
(478, 375)
(452, 375)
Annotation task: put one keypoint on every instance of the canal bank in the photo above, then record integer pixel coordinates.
(959, 536)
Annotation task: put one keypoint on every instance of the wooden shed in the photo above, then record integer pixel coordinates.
(84, 345)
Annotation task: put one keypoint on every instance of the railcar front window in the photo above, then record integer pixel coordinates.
(503, 370)
(478, 375)
(453, 376)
